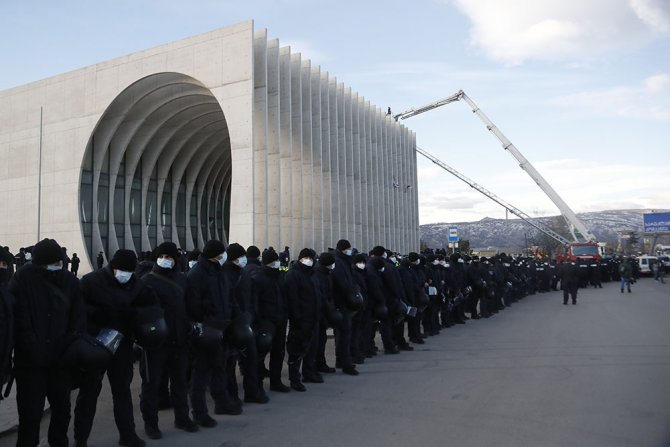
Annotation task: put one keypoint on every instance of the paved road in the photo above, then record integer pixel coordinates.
(538, 374)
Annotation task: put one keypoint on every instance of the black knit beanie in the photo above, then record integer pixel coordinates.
(47, 251)
(125, 260)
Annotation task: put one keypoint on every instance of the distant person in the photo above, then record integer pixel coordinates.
(74, 264)
(626, 272)
(100, 260)
(659, 270)
(285, 257)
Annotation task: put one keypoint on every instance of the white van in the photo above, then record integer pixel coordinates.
(645, 262)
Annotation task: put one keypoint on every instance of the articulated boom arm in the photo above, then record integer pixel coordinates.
(517, 212)
(570, 217)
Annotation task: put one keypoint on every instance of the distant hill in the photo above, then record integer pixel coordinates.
(605, 225)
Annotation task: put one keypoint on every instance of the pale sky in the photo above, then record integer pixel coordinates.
(581, 87)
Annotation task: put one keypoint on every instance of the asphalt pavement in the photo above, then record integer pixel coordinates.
(538, 374)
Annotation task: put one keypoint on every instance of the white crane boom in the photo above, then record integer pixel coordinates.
(517, 212)
(575, 225)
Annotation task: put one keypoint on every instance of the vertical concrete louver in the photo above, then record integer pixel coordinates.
(327, 163)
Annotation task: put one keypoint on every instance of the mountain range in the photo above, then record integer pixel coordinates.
(515, 233)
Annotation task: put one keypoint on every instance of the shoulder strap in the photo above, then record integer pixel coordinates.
(167, 280)
(59, 293)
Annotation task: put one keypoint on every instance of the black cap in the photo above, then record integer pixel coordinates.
(253, 252)
(125, 260)
(326, 258)
(360, 257)
(167, 248)
(193, 256)
(378, 250)
(47, 251)
(343, 244)
(235, 251)
(306, 253)
(413, 257)
(269, 256)
(212, 249)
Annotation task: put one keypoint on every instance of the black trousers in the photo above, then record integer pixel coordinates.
(298, 344)
(356, 334)
(322, 339)
(318, 339)
(33, 386)
(277, 353)
(207, 369)
(248, 361)
(120, 375)
(570, 289)
(343, 341)
(158, 362)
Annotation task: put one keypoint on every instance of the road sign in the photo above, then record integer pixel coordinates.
(453, 234)
(654, 222)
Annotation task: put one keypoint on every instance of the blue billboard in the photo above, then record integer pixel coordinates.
(655, 222)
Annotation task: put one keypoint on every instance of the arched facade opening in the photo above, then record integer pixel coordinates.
(157, 168)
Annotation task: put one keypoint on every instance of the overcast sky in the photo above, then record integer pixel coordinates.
(581, 87)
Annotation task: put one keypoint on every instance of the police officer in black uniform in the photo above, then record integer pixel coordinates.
(113, 297)
(48, 312)
(344, 287)
(170, 358)
(239, 279)
(304, 304)
(209, 302)
(266, 289)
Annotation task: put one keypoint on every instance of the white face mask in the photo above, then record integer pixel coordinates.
(307, 261)
(461, 261)
(54, 268)
(381, 270)
(241, 261)
(122, 277)
(436, 262)
(361, 265)
(224, 258)
(384, 255)
(165, 263)
(28, 256)
(348, 252)
(191, 264)
(331, 266)
(394, 259)
(275, 265)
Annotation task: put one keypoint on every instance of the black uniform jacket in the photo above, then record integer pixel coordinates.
(304, 300)
(48, 311)
(266, 289)
(209, 297)
(170, 288)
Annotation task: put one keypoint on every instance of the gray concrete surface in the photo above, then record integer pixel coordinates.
(537, 374)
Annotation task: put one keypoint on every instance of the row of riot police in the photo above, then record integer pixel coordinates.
(234, 309)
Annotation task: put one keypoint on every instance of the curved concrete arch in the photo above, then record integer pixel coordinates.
(210, 183)
(194, 167)
(209, 163)
(163, 123)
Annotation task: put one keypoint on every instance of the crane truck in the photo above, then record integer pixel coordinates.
(584, 244)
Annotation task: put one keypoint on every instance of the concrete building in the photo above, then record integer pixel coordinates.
(223, 135)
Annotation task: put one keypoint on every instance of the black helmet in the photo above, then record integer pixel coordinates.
(332, 314)
(265, 331)
(150, 327)
(89, 353)
(422, 300)
(400, 311)
(241, 334)
(209, 336)
(381, 312)
(355, 301)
